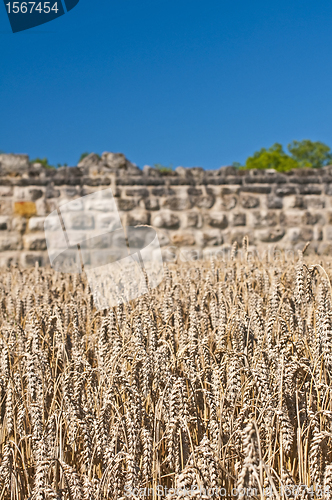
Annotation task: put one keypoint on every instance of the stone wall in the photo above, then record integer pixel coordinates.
(195, 210)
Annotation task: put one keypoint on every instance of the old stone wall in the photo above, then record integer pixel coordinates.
(195, 210)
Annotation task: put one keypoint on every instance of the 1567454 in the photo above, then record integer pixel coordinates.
(30, 7)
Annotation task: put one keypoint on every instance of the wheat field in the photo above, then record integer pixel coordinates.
(216, 384)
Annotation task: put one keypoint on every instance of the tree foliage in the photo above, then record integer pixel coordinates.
(302, 154)
(310, 154)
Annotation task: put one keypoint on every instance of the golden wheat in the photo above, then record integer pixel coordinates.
(216, 382)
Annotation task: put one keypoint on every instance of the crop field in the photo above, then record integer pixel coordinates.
(216, 384)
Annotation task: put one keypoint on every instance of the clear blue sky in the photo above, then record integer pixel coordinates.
(180, 82)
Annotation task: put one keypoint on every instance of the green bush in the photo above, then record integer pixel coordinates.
(163, 169)
(303, 154)
(43, 161)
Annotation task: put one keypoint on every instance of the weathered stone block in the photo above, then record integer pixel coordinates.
(34, 241)
(310, 190)
(183, 239)
(25, 208)
(205, 201)
(138, 218)
(176, 203)
(228, 202)
(29, 259)
(19, 224)
(256, 189)
(163, 191)
(212, 237)
(10, 242)
(35, 194)
(8, 259)
(4, 223)
(325, 248)
(36, 224)
(328, 233)
(82, 221)
(5, 190)
(285, 190)
(193, 219)
(166, 220)
(239, 219)
(249, 201)
(291, 219)
(314, 202)
(238, 236)
(297, 234)
(299, 202)
(264, 219)
(126, 204)
(193, 191)
(151, 203)
(151, 171)
(51, 192)
(139, 192)
(271, 235)
(10, 163)
(274, 202)
(217, 220)
(310, 218)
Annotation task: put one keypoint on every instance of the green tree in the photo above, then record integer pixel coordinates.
(274, 157)
(310, 154)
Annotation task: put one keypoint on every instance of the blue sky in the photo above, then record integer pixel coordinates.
(192, 83)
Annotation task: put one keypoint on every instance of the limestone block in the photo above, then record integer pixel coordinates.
(10, 163)
(10, 241)
(25, 208)
(310, 190)
(264, 218)
(139, 192)
(183, 239)
(126, 204)
(312, 218)
(256, 189)
(239, 219)
(274, 202)
(6, 191)
(19, 224)
(151, 171)
(51, 192)
(238, 236)
(314, 202)
(166, 220)
(209, 237)
(9, 258)
(34, 241)
(176, 203)
(5, 207)
(151, 203)
(4, 222)
(35, 194)
(248, 201)
(228, 202)
(36, 224)
(163, 191)
(291, 218)
(285, 191)
(29, 259)
(217, 220)
(271, 235)
(193, 219)
(138, 218)
(296, 234)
